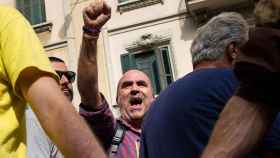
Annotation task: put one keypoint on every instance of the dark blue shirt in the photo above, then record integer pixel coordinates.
(182, 117)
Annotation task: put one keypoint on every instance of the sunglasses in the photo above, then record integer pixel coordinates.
(70, 75)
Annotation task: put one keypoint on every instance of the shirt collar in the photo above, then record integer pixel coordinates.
(126, 124)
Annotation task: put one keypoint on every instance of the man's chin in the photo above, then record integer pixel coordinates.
(137, 116)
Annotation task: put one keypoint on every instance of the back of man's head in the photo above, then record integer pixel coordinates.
(214, 37)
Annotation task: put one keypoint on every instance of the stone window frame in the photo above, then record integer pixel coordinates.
(135, 4)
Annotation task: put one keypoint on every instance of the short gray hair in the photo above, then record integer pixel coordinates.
(212, 39)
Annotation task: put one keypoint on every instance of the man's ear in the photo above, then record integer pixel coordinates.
(232, 51)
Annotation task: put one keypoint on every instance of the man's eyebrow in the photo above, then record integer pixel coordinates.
(126, 83)
(143, 82)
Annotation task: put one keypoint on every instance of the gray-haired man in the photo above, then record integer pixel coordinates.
(253, 108)
(181, 119)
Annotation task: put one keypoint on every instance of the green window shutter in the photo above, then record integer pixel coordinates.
(120, 1)
(166, 65)
(38, 11)
(128, 61)
(33, 10)
(155, 79)
(147, 63)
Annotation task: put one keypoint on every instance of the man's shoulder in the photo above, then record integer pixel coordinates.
(211, 72)
(202, 77)
(208, 77)
(193, 88)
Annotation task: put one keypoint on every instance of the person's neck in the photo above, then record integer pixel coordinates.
(135, 124)
(213, 64)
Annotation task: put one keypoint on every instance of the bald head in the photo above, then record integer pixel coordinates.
(132, 73)
(134, 95)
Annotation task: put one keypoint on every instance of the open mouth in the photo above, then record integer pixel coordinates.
(135, 101)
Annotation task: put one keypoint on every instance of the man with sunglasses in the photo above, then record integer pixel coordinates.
(66, 77)
(27, 77)
(38, 143)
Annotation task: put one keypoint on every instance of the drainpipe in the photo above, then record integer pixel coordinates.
(109, 69)
(188, 10)
(71, 49)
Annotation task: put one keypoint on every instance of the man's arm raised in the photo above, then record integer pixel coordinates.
(95, 16)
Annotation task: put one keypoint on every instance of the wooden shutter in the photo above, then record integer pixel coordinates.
(128, 62)
(33, 10)
(167, 71)
(147, 62)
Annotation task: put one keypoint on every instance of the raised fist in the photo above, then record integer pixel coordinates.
(96, 14)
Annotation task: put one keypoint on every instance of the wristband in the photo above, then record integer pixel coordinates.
(90, 30)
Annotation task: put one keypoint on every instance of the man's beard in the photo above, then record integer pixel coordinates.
(70, 97)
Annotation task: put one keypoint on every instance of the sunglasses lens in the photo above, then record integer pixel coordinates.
(70, 75)
(59, 73)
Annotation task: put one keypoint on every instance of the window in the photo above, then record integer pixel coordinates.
(33, 10)
(121, 1)
(155, 63)
(127, 1)
(127, 5)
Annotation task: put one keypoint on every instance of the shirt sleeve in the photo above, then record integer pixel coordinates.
(21, 49)
(101, 121)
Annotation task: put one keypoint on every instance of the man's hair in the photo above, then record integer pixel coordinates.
(213, 38)
(267, 12)
(52, 59)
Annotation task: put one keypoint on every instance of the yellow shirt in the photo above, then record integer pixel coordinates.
(19, 49)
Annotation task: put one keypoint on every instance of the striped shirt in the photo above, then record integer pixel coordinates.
(103, 123)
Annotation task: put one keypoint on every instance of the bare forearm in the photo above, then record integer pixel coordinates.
(88, 73)
(239, 129)
(72, 136)
(61, 122)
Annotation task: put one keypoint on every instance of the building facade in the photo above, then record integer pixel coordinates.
(58, 25)
(151, 35)
(155, 36)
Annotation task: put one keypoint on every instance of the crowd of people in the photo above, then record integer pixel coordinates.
(225, 108)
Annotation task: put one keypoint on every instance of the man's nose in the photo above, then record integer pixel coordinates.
(64, 80)
(135, 89)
